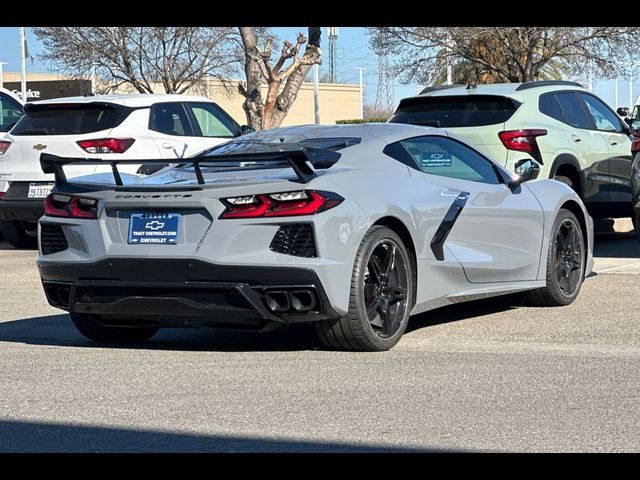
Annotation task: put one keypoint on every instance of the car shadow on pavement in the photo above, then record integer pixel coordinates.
(58, 330)
(461, 311)
(30, 437)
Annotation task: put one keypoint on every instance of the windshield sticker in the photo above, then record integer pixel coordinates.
(436, 159)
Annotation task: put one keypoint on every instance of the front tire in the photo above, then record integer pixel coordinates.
(88, 326)
(20, 234)
(380, 297)
(565, 263)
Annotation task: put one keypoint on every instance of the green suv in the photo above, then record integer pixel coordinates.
(575, 136)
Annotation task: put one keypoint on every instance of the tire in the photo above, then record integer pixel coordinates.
(20, 234)
(563, 179)
(366, 327)
(559, 290)
(90, 328)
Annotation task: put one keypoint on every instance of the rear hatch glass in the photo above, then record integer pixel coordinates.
(69, 119)
(455, 111)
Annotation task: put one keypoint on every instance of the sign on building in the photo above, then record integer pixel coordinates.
(45, 89)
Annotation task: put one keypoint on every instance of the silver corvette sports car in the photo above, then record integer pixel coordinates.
(353, 228)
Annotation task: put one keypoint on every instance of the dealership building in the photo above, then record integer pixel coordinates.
(337, 101)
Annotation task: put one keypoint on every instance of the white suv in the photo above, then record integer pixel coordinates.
(109, 126)
(576, 137)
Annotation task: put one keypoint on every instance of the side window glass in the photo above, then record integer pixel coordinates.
(10, 112)
(574, 114)
(170, 119)
(449, 158)
(548, 104)
(211, 121)
(603, 118)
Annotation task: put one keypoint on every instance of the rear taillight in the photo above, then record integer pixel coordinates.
(106, 145)
(635, 141)
(56, 205)
(4, 146)
(283, 204)
(523, 141)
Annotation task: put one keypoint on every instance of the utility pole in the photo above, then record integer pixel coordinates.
(361, 92)
(316, 101)
(2, 74)
(23, 66)
(333, 46)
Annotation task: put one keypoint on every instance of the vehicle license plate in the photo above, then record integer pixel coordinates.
(145, 228)
(39, 189)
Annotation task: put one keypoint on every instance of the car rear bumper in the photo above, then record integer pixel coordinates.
(21, 209)
(186, 292)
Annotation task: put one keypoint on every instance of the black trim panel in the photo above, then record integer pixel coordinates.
(437, 242)
(180, 292)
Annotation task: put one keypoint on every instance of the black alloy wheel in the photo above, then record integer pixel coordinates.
(385, 289)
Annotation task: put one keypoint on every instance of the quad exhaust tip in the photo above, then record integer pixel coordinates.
(280, 301)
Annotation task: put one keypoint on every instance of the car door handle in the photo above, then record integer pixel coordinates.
(167, 145)
(576, 138)
(613, 141)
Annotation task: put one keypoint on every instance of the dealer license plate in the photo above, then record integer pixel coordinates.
(39, 189)
(150, 228)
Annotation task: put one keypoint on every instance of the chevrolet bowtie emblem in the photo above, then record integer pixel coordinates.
(39, 146)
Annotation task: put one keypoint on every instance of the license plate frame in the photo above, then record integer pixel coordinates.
(154, 228)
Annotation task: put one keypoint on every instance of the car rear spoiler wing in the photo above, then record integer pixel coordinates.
(299, 159)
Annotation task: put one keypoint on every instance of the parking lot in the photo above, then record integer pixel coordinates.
(488, 376)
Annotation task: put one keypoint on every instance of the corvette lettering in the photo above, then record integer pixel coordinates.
(163, 195)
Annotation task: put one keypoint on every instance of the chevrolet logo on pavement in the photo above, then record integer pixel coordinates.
(39, 146)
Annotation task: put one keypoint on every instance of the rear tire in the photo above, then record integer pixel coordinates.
(93, 330)
(380, 297)
(565, 263)
(563, 179)
(20, 234)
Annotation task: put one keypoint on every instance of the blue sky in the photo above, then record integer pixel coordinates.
(352, 52)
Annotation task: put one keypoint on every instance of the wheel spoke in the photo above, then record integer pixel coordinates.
(563, 282)
(562, 239)
(571, 239)
(559, 270)
(573, 280)
(374, 268)
(397, 294)
(372, 310)
(383, 310)
(389, 261)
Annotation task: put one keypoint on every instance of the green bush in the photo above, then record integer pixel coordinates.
(360, 120)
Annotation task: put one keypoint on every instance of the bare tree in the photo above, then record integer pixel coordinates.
(175, 57)
(259, 69)
(511, 54)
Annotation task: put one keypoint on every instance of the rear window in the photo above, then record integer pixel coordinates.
(448, 112)
(69, 119)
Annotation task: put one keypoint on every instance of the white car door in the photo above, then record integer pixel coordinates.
(172, 130)
(497, 234)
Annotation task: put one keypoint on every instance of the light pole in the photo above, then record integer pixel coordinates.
(23, 65)
(361, 92)
(2, 74)
(316, 100)
(615, 94)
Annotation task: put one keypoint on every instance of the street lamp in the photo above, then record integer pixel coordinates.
(2, 74)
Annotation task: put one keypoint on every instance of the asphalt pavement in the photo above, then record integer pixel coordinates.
(491, 375)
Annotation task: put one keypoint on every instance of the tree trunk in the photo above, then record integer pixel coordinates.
(252, 97)
(294, 81)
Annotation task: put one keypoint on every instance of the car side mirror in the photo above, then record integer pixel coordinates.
(525, 170)
(244, 129)
(635, 124)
